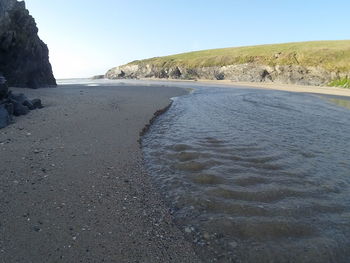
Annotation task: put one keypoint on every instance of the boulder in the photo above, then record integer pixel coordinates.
(14, 104)
(37, 104)
(5, 118)
(20, 98)
(18, 108)
(10, 109)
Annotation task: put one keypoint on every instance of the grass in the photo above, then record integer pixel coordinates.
(343, 83)
(330, 55)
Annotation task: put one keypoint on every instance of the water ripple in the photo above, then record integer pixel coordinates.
(254, 175)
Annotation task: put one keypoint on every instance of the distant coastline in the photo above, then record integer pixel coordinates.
(316, 63)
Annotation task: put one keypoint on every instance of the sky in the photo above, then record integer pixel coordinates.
(88, 37)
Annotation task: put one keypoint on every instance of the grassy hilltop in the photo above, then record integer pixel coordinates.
(315, 63)
(333, 56)
(330, 55)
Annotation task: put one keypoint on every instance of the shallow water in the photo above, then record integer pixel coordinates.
(341, 102)
(256, 175)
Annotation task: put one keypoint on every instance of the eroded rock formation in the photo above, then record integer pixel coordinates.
(248, 72)
(24, 59)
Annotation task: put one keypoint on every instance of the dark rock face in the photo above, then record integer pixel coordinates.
(24, 59)
(3, 87)
(175, 73)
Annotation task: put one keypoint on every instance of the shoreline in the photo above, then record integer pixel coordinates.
(153, 119)
(324, 90)
(73, 183)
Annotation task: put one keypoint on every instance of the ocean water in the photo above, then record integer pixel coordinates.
(256, 175)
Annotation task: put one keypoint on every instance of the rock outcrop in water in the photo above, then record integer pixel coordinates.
(249, 72)
(24, 59)
(98, 77)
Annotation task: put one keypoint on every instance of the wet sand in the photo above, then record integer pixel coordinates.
(324, 90)
(72, 183)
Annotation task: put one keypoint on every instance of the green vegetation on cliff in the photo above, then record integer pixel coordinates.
(330, 55)
(342, 82)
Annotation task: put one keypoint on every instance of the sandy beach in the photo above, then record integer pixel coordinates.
(73, 187)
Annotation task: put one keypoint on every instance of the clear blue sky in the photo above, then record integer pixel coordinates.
(87, 37)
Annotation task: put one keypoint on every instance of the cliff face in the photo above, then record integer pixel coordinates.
(24, 59)
(305, 63)
(248, 72)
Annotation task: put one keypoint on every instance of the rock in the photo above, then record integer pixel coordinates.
(233, 244)
(4, 116)
(15, 104)
(23, 100)
(28, 104)
(37, 104)
(206, 236)
(188, 229)
(248, 72)
(219, 75)
(162, 74)
(175, 73)
(20, 98)
(10, 109)
(24, 59)
(3, 87)
(98, 77)
(36, 229)
(19, 109)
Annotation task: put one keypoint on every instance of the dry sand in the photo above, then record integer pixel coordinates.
(72, 186)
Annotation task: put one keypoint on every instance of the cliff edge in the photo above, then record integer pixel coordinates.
(315, 63)
(24, 57)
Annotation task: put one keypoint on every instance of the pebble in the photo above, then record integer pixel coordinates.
(188, 230)
(233, 244)
(36, 229)
(206, 236)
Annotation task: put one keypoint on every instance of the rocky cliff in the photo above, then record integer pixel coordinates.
(24, 59)
(305, 63)
(248, 72)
